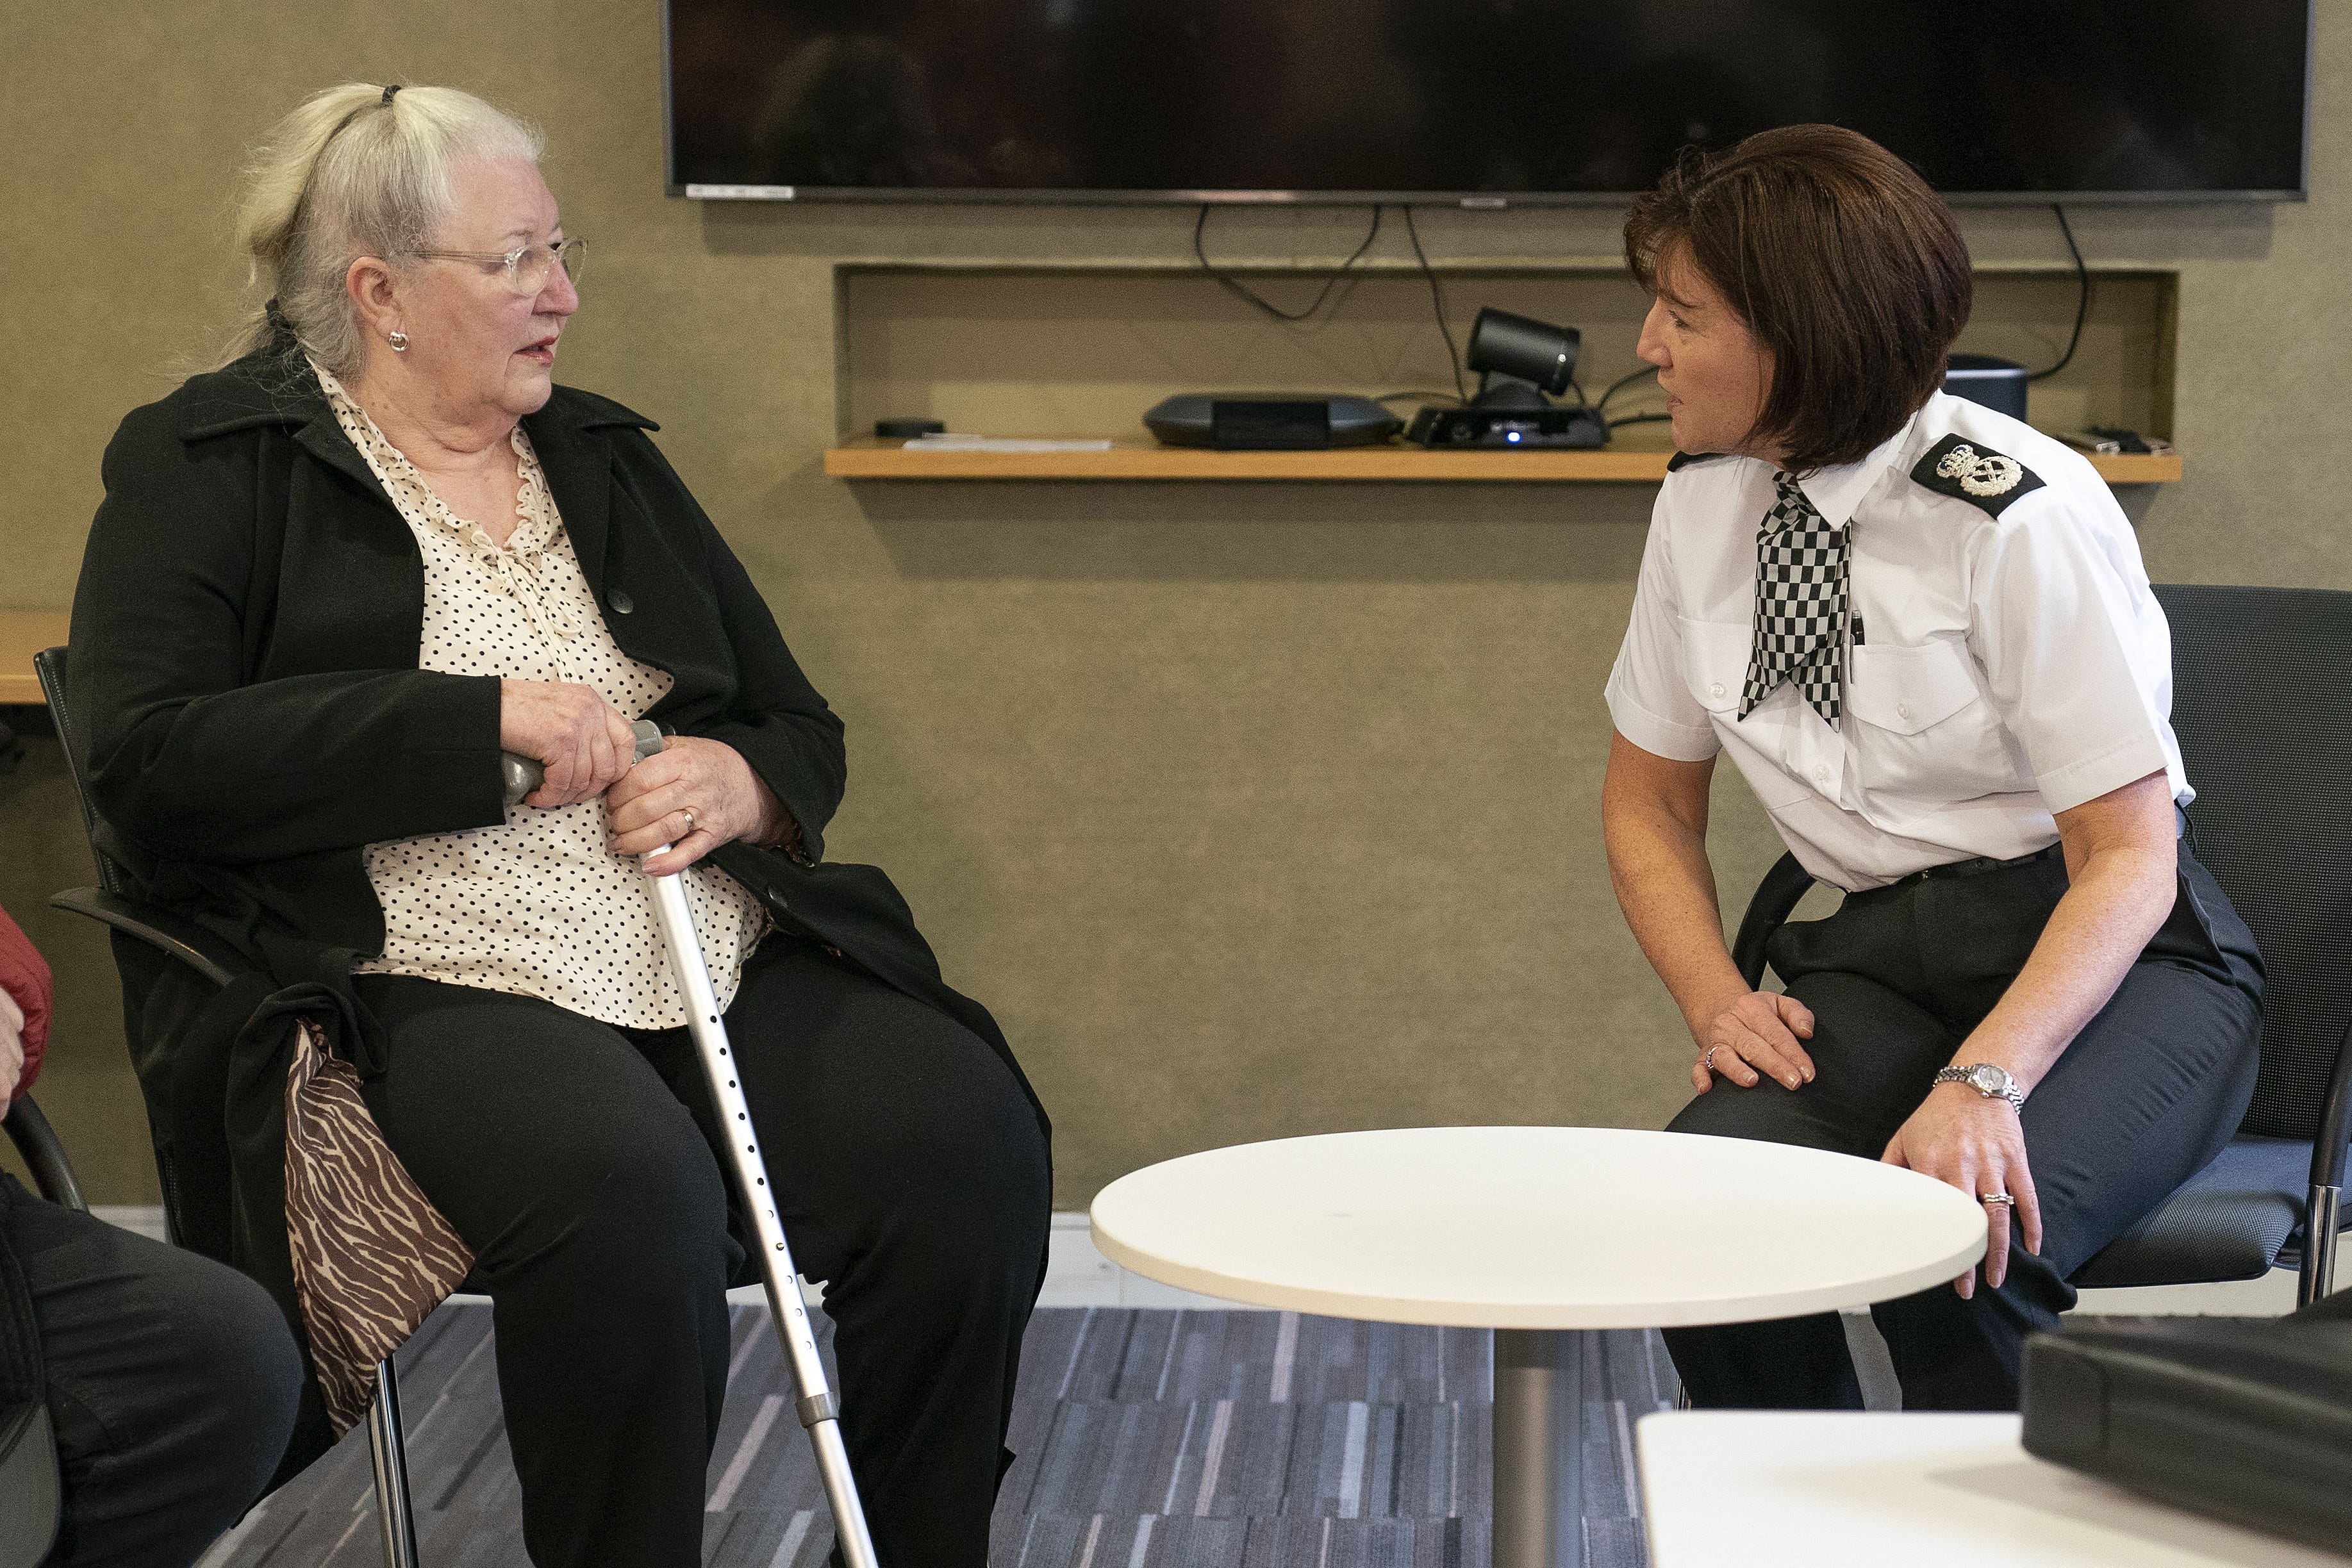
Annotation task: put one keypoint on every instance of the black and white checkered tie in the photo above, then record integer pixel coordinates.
(1801, 605)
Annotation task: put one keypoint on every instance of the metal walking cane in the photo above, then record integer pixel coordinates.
(819, 1411)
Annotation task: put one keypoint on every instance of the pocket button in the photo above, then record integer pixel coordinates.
(1716, 690)
(1903, 710)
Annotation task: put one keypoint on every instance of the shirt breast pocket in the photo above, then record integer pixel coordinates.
(1715, 667)
(1715, 664)
(1925, 732)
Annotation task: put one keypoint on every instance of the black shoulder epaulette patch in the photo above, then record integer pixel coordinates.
(1682, 460)
(1970, 472)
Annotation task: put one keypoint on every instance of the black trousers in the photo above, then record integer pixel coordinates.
(172, 1383)
(576, 1160)
(2146, 1095)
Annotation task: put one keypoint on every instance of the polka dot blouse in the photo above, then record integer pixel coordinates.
(537, 906)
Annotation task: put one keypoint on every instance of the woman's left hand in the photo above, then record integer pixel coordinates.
(693, 795)
(1973, 1141)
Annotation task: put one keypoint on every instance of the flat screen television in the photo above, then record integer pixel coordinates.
(1483, 102)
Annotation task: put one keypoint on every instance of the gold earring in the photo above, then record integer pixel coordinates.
(399, 342)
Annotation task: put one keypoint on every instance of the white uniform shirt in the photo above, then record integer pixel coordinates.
(536, 906)
(2009, 666)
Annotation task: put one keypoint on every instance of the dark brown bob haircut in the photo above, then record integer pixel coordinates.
(1847, 268)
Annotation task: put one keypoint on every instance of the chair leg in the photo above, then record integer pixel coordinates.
(2321, 1217)
(391, 1515)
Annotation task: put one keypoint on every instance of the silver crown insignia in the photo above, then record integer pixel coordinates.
(1991, 476)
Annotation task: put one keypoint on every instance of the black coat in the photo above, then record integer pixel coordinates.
(244, 664)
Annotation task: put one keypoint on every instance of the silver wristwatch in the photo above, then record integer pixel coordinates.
(1987, 1080)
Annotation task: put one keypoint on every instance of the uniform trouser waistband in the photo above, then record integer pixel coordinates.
(1975, 867)
(1983, 864)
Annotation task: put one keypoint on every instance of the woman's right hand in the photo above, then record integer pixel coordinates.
(581, 739)
(1756, 1031)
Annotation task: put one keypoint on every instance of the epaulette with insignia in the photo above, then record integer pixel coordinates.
(1975, 474)
(1682, 460)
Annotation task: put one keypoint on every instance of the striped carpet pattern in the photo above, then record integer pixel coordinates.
(1147, 1439)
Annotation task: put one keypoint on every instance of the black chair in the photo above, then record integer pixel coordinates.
(2261, 702)
(37, 1143)
(219, 965)
(31, 1490)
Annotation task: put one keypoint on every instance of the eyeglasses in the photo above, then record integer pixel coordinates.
(528, 270)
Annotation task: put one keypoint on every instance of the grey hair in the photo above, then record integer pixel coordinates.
(354, 172)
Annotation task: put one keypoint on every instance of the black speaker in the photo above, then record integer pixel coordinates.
(1270, 421)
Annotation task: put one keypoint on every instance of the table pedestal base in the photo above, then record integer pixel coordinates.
(1539, 1449)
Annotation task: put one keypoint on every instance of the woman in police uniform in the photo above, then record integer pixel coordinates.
(1922, 632)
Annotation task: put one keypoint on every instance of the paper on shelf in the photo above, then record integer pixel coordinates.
(999, 444)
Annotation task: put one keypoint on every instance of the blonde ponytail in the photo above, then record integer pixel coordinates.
(356, 170)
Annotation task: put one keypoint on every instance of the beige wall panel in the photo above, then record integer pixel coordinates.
(1253, 810)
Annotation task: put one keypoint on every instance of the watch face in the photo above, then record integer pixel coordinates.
(1987, 1080)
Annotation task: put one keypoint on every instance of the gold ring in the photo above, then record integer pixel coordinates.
(1990, 1198)
(690, 817)
(1707, 1062)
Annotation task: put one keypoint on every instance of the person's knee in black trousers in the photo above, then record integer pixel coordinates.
(1872, 1051)
(172, 1383)
(912, 1175)
(598, 1219)
(613, 1331)
(931, 1314)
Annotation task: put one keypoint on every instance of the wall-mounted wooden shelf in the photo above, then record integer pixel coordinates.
(1145, 460)
(22, 634)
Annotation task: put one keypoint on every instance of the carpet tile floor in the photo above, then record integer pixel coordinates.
(1147, 1439)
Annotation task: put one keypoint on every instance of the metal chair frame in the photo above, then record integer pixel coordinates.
(36, 1142)
(190, 944)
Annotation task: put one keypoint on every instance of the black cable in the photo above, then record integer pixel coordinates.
(1621, 383)
(1437, 302)
(1424, 393)
(1640, 418)
(2082, 301)
(1242, 291)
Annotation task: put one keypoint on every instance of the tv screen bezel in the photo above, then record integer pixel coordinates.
(1468, 201)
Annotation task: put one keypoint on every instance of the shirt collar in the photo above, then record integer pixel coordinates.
(1837, 492)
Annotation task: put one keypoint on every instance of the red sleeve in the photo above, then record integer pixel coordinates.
(25, 975)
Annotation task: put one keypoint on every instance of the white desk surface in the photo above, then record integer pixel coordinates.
(1538, 1227)
(1761, 1489)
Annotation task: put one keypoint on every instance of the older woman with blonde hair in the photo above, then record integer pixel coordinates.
(330, 584)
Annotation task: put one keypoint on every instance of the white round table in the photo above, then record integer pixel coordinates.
(1531, 1231)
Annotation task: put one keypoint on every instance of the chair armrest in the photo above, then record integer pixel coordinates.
(1776, 898)
(168, 934)
(44, 1155)
(2335, 1121)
